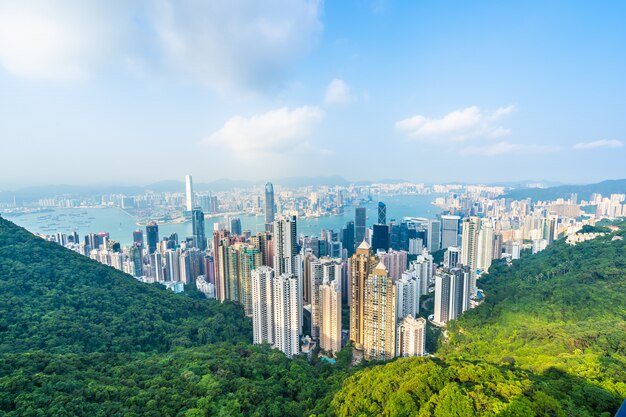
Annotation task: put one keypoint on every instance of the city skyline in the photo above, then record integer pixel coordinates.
(531, 92)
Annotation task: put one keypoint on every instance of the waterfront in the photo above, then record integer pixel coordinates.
(120, 225)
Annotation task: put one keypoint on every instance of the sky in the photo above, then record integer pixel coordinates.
(134, 92)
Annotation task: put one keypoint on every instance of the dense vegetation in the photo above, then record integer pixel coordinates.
(79, 338)
(584, 192)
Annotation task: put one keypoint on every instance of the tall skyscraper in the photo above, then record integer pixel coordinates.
(396, 262)
(347, 238)
(152, 236)
(137, 260)
(449, 231)
(452, 257)
(411, 337)
(189, 193)
(433, 237)
(380, 238)
(197, 225)
(270, 204)
(235, 226)
(287, 314)
(285, 245)
(172, 265)
(137, 238)
(263, 305)
(245, 258)
(359, 225)
(382, 213)
(316, 280)
(485, 245)
(379, 315)
(362, 264)
(452, 294)
(407, 295)
(330, 338)
(469, 242)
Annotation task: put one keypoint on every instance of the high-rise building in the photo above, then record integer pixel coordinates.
(485, 245)
(379, 315)
(137, 260)
(137, 238)
(411, 337)
(382, 213)
(189, 193)
(361, 265)
(330, 337)
(395, 261)
(152, 236)
(235, 226)
(380, 237)
(433, 239)
(197, 225)
(172, 265)
(245, 258)
(263, 305)
(452, 294)
(408, 295)
(347, 238)
(359, 225)
(285, 245)
(287, 314)
(270, 204)
(452, 257)
(316, 280)
(469, 242)
(449, 231)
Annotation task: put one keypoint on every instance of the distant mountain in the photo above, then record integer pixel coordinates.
(565, 191)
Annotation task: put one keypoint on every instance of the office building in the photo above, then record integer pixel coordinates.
(235, 226)
(270, 204)
(433, 238)
(449, 231)
(197, 226)
(152, 236)
(347, 238)
(189, 197)
(382, 213)
(137, 238)
(360, 217)
(380, 237)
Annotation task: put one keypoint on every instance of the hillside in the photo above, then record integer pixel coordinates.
(584, 192)
(81, 339)
(551, 332)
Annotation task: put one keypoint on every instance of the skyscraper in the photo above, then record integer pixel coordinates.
(469, 242)
(330, 338)
(347, 238)
(382, 213)
(395, 262)
(152, 236)
(138, 238)
(380, 238)
(433, 238)
(287, 314)
(379, 315)
(485, 245)
(411, 337)
(359, 225)
(407, 295)
(189, 193)
(235, 226)
(285, 245)
(361, 265)
(316, 279)
(270, 204)
(452, 294)
(449, 231)
(263, 305)
(197, 225)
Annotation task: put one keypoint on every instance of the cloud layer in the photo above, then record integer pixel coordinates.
(598, 144)
(275, 132)
(504, 147)
(337, 92)
(458, 125)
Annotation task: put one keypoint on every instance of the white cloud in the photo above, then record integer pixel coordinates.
(337, 92)
(56, 40)
(598, 144)
(504, 147)
(458, 125)
(275, 132)
(237, 44)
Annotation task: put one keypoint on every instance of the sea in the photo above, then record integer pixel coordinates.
(120, 224)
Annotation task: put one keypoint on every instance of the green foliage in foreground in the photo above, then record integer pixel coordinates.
(81, 339)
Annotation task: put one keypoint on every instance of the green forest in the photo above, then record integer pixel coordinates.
(78, 338)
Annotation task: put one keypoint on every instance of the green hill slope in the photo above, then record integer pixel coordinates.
(552, 331)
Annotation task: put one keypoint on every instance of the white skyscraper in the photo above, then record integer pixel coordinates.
(452, 293)
(411, 337)
(485, 246)
(263, 305)
(330, 337)
(285, 245)
(287, 314)
(188, 193)
(423, 267)
(407, 295)
(469, 243)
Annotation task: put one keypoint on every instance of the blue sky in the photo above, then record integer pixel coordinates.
(133, 92)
